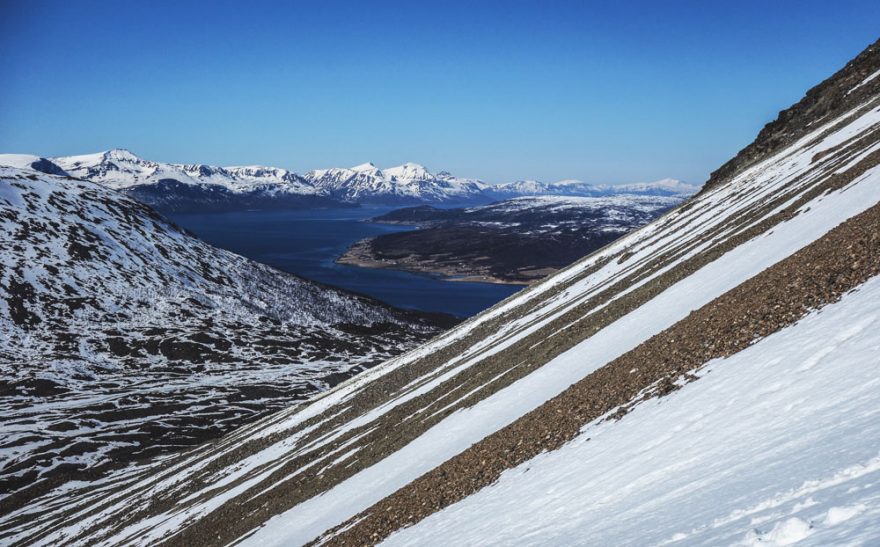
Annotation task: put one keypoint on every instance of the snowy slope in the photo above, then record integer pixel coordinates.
(708, 379)
(493, 412)
(122, 336)
(712, 463)
(27, 161)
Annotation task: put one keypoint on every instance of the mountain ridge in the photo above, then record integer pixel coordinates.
(184, 187)
(852, 85)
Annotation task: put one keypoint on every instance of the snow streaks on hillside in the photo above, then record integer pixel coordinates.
(121, 336)
(710, 378)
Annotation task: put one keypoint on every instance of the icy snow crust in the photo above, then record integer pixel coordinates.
(775, 445)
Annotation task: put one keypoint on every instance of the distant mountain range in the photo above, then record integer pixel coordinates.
(198, 187)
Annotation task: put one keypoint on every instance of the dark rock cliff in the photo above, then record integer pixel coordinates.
(840, 93)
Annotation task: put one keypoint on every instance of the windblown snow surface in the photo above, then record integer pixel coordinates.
(776, 444)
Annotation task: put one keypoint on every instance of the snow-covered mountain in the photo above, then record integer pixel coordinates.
(404, 184)
(709, 379)
(197, 187)
(664, 187)
(120, 169)
(122, 336)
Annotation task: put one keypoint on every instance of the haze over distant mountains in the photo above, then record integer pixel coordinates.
(187, 187)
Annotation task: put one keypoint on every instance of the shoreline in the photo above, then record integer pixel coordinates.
(360, 255)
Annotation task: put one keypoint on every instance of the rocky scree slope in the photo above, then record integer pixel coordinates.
(559, 393)
(848, 88)
(122, 336)
(519, 240)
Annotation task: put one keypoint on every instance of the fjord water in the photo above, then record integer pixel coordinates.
(307, 243)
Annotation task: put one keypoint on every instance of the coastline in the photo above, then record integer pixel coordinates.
(360, 254)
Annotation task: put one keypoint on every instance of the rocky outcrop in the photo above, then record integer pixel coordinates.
(850, 87)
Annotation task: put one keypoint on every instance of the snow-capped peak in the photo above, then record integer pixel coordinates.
(121, 154)
(368, 167)
(408, 183)
(408, 172)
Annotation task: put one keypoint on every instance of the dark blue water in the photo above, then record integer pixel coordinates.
(307, 243)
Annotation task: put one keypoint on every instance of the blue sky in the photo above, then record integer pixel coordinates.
(605, 91)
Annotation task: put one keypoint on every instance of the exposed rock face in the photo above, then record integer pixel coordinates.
(849, 88)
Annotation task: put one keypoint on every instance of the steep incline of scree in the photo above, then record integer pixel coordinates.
(603, 363)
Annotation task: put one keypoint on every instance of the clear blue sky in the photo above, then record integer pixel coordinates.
(608, 91)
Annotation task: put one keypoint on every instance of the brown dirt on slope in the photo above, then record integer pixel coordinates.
(842, 92)
(817, 275)
(398, 427)
(294, 481)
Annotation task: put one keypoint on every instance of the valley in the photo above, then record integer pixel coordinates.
(236, 340)
(308, 242)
